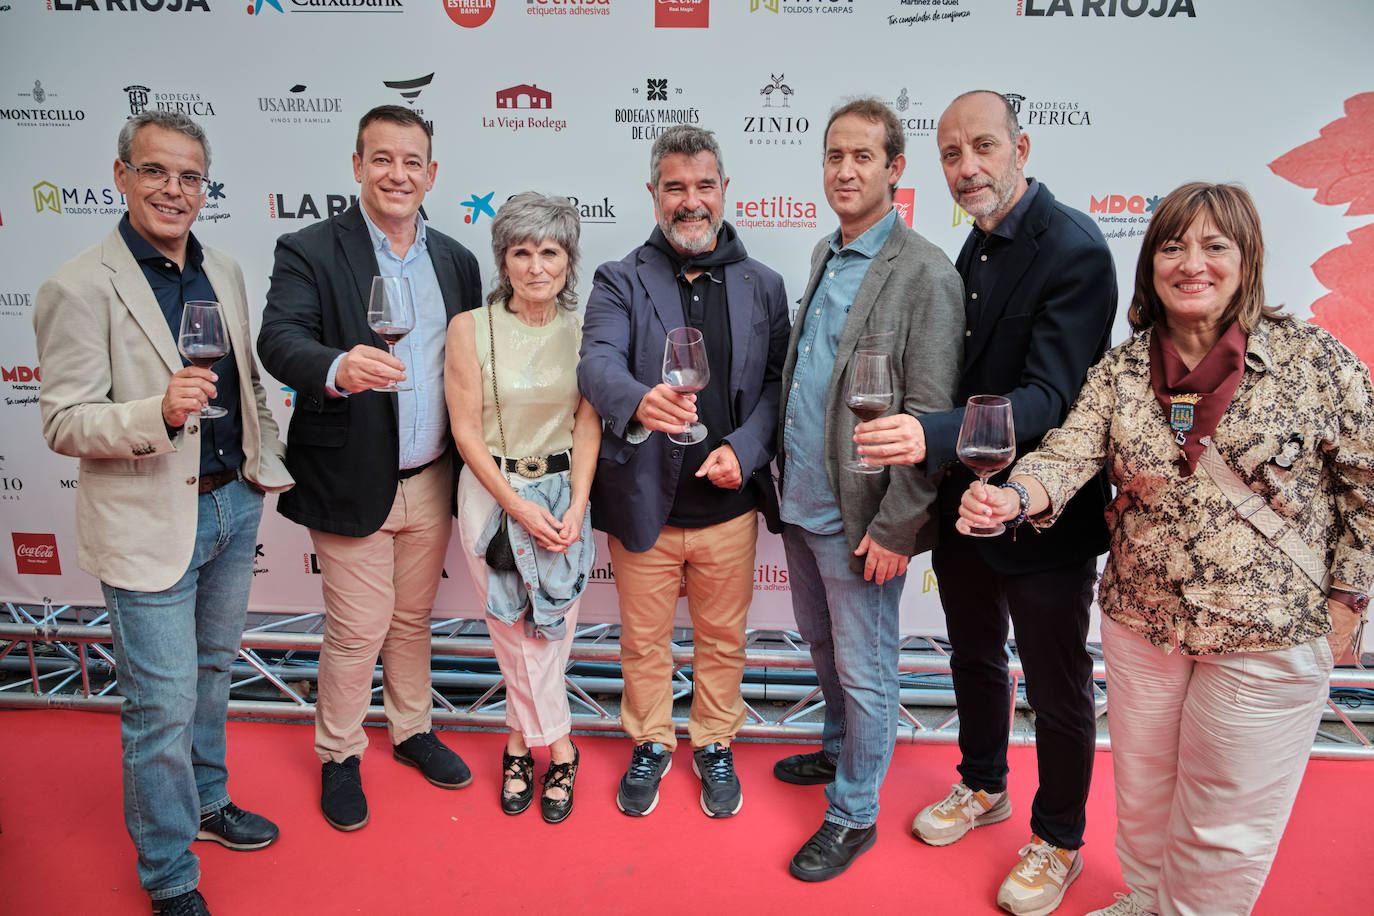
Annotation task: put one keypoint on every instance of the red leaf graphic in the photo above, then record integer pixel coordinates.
(1348, 310)
(1340, 163)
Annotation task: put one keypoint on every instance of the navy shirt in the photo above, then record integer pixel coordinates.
(221, 438)
(984, 269)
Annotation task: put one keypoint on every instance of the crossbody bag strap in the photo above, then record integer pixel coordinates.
(1253, 507)
(500, 427)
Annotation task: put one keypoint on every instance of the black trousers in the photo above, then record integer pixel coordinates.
(1050, 613)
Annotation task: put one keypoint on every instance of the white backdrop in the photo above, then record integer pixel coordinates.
(1123, 100)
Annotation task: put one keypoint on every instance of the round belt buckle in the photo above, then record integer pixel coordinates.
(533, 466)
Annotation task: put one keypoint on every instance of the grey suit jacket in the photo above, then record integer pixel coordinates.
(107, 356)
(912, 291)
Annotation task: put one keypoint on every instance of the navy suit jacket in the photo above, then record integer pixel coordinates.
(1037, 333)
(634, 302)
(345, 450)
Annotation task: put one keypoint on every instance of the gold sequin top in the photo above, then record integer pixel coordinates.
(536, 377)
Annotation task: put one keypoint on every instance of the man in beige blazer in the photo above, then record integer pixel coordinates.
(168, 505)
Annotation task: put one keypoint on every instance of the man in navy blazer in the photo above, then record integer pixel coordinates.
(1041, 298)
(675, 509)
(378, 466)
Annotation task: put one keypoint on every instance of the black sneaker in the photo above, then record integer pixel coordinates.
(190, 903)
(341, 794)
(720, 792)
(638, 793)
(434, 760)
(234, 828)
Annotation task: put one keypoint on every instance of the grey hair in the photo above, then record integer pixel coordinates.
(687, 140)
(534, 217)
(168, 120)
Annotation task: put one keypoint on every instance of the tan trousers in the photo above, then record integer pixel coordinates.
(378, 594)
(718, 562)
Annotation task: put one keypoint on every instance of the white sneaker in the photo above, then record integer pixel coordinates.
(1037, 884)
(1126, 905)
(959, 812)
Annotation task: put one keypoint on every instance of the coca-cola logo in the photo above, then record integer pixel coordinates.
(36, 554)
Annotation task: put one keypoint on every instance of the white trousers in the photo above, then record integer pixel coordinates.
(1208, 752)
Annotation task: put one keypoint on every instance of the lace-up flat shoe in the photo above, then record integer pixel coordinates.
(559, 776)
(1038, 882)
(831, 850)
(1126, 905)
(434, 760)
(638, 794)
(512, 769)
(190, 903)
(815, 769)
(959, 812)
(341, 794)
(234, 828)
(720, 791)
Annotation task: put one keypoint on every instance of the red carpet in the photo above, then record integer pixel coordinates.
(63, 848)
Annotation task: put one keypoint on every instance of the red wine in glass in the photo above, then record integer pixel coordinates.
(987, 444)
(869, 396)
(203, 340)
(686, 371)
(391, 314)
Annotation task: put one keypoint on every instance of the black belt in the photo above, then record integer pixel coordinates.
(535, 466)
(211, 482)
(407, 473)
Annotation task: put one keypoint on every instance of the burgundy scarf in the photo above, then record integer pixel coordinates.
(1195, 400)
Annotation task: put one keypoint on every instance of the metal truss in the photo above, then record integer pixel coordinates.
(62, 657)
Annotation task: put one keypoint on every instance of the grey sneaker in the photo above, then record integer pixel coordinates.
(638, 793)
(959, 812)
(1126, 905)
(720, 791)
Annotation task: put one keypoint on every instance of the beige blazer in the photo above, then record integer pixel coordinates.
(106, 356)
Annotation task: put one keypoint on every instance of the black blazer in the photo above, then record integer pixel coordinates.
(343, 451)
(1037, 333)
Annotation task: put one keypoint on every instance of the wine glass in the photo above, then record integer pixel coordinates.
(686, 371)
(203, 340)
(869, 396)
(987, 443)
(391, 313)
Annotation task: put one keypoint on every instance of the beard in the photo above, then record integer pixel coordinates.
(691, 244)
(1003, 189)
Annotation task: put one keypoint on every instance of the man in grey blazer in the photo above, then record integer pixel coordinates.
(168, 505)
(875, 285)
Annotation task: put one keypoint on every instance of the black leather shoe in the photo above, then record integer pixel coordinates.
(190, 903)
(831, 850)
(521, 768)
(234, 828)
(341, 794)
(813, 769)
(559, 776)
(434, 760)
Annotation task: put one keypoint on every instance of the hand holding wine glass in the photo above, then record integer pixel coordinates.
(987, 444)
(203, 340)
(868, 395)
(686, 371)
(391, 314)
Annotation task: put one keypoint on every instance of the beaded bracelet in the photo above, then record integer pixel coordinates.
(1024, 498)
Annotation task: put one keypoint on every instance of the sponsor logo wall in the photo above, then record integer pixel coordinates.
(567, 97)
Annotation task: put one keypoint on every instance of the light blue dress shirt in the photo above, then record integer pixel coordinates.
(807, 499)
(422, 418)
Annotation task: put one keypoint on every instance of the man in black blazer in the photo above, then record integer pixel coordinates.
(1040, 301)
(378, 468)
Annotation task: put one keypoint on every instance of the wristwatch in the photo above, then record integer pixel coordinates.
(1356, 601)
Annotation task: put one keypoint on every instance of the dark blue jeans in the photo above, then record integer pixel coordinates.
(173, 650)
(1049, 611)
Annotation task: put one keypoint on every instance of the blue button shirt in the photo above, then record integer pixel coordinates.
(422, 418)
(221, 438)
(807, 499)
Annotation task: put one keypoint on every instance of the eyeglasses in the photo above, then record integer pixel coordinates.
(154, 178)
